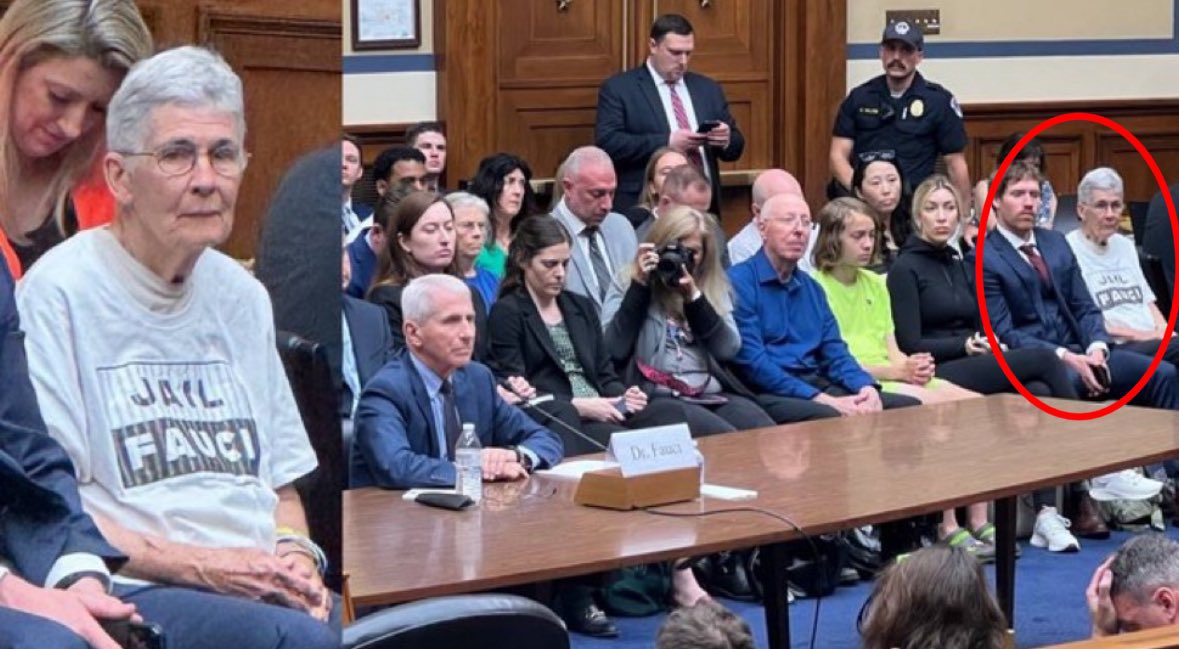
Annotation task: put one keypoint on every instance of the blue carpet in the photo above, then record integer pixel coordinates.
(1049, 605)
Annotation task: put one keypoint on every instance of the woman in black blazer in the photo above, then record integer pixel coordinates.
(554, 338)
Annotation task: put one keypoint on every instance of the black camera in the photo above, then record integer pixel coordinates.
(673, 259)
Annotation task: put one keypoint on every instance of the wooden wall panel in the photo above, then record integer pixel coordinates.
(290, 69)
(544, 125)
(539, 44)
(1075, 147)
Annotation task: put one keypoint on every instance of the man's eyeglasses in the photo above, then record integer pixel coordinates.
(178, 159)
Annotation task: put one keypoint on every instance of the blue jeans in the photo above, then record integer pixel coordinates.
(197, 619)
(23, 631)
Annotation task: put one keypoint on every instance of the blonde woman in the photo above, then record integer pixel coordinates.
(672, 325)
(60, 62)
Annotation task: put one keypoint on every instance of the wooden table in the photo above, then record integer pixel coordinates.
(825, 475)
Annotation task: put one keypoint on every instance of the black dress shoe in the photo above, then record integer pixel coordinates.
(590, 620)
(725, 574)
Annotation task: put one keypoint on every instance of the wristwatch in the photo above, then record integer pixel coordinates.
(523, 458)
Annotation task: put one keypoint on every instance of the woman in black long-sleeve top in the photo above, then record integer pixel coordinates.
(935, 309)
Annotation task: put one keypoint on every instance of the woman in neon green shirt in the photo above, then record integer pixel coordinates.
(505, 182)
(848, 241)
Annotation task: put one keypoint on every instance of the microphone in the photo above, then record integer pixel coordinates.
(531, 404)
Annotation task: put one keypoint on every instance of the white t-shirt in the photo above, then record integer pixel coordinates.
(1115, 280)
(170, 399)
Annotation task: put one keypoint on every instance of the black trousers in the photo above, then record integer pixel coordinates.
(1039, 370)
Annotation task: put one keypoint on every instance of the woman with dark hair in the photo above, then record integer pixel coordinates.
(420, 240)
(1033, 151)
(659, 165)
(672, 326)
(934, 597)
(554, 337)
(877, 180)
(505, 182)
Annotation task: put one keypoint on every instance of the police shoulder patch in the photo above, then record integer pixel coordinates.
(955, 106)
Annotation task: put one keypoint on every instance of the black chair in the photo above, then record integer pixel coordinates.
(460, 622)
(311, 381)
(1066, 219)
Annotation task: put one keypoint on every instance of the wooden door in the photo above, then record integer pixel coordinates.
(734, 45)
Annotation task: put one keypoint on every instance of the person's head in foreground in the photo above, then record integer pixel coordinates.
(176, 129)
(706, 625)
(1137, 588)
(935, 597)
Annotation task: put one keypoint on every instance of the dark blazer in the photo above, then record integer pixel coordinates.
(1157, 237)
(41, 515)
(363, 261)
(372, 343)
(631, 125)
(396, 446)
(521, 344)
(1015, 302)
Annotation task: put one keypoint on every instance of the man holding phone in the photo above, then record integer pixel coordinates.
(661, 104)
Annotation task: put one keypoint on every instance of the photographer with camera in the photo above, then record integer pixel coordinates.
(672, 327)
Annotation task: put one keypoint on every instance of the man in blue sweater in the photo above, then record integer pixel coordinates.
(791, 352)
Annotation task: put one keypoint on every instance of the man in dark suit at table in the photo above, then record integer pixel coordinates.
(411, 413)
(1036, 297)
(54, 564)
(660, 104)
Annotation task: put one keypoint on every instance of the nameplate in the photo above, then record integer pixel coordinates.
(651, 450)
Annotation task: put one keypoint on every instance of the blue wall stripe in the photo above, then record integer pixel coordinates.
(1001, 49)
(388, 63)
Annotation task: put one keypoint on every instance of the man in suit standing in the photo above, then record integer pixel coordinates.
(411, 413)
(603, 241)
(54, 564)
(660, 104)
(1036, 297)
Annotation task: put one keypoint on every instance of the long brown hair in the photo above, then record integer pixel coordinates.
(935, 597)
(832, 220)
(395, 266)
(649, 199)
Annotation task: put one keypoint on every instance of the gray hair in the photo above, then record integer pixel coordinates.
(466, 200)
(1143, 564)
(585, 155)
(1099, 179)
(417, 300)
(189, 76)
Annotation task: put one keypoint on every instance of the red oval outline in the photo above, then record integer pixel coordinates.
(980, 294)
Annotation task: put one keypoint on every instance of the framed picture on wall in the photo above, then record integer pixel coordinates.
(386, 24)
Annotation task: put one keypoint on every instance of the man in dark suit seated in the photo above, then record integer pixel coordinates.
(404, 436)
(54, 564)
(1036, 297)
(660, 104)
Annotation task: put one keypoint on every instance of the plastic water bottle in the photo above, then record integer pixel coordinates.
(468, 464)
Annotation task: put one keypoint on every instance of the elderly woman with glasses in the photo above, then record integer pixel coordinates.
(154, 360)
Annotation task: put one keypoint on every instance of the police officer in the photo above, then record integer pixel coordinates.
(900, 111)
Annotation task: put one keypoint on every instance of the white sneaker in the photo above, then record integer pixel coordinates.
(1051, 531)
(1123, 485)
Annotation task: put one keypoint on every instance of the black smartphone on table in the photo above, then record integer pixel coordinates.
(135, 635)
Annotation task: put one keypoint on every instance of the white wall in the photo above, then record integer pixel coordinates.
(391, 94)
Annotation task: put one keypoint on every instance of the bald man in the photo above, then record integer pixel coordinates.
(770, 182)
(792, 354)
